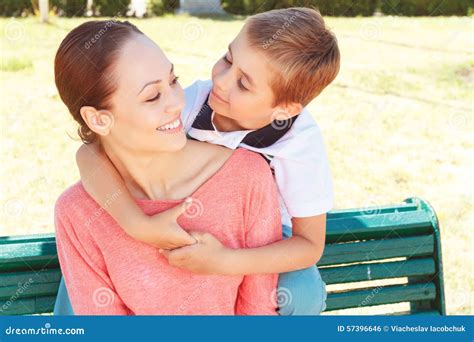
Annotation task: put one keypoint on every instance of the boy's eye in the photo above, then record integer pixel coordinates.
(175, 80)
(225, 59)
(241, 85)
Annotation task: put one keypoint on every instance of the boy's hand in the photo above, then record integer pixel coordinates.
(207, 256)
(163, 230)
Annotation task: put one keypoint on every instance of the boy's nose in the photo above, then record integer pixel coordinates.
(220, 82)
(220, 89)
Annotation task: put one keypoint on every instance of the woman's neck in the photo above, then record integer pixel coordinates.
(147, 175)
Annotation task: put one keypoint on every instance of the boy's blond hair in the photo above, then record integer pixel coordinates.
(302, 51)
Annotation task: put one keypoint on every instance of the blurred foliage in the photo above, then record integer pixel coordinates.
(427, 7)
(343, 8)
(15, 8)
(334, 8)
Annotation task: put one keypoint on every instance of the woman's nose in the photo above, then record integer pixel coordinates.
(176, 104)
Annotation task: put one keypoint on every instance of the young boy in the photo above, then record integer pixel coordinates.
(278, 63)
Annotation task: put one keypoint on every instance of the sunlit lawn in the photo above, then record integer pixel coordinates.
(397, 122)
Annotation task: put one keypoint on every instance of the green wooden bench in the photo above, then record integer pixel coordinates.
(399, 244)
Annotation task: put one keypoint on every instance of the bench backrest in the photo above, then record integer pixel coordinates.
(399, 244)
(377, 243)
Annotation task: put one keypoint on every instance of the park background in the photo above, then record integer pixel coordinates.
(397, 122)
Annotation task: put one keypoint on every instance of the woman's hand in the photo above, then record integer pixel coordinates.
(207, 256)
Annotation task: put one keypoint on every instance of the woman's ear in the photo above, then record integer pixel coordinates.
(99, 121)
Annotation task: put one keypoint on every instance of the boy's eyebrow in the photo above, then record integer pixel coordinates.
(245, 74)
(156, 81)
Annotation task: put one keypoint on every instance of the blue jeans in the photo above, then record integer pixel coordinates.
(301, 292)
(63, 304)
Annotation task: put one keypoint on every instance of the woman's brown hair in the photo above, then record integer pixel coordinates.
(82, 67)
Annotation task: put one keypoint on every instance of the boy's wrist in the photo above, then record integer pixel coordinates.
(138, 225)
(229, 262)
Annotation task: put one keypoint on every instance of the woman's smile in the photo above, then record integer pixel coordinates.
(172, 127)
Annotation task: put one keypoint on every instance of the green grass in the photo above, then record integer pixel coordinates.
(14, 64)
(397, 122)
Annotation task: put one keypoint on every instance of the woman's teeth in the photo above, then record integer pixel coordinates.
(169, 126)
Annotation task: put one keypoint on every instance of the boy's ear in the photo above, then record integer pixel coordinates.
(99, 121)
(286, 111)
(293, 108)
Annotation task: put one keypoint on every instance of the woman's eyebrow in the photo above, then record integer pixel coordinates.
(155, 81)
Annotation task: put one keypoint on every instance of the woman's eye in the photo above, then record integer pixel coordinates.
(241, 85)
(157, 97)
(175, 80)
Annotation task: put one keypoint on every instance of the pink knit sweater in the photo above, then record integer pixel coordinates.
(109, 273)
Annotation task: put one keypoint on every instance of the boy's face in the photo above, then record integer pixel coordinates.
(241, 86)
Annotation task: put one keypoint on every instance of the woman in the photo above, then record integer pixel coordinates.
(122, 90)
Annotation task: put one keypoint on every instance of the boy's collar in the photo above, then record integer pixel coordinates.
(260, 138)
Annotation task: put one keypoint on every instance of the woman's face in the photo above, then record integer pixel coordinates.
(146, 107)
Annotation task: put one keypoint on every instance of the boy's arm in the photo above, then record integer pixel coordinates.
(103, 183)
(302, 250)
(209, 256)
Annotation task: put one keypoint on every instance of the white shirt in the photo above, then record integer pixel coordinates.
(298, 158)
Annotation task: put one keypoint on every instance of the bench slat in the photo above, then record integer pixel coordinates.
(402, 207)
(28, 306)
(380, 295)
(37, 277)
(378, 226)
(29, 256)
(344, 253)
(29, 290)
(426, 312)
(26, 238)
(384, 270)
